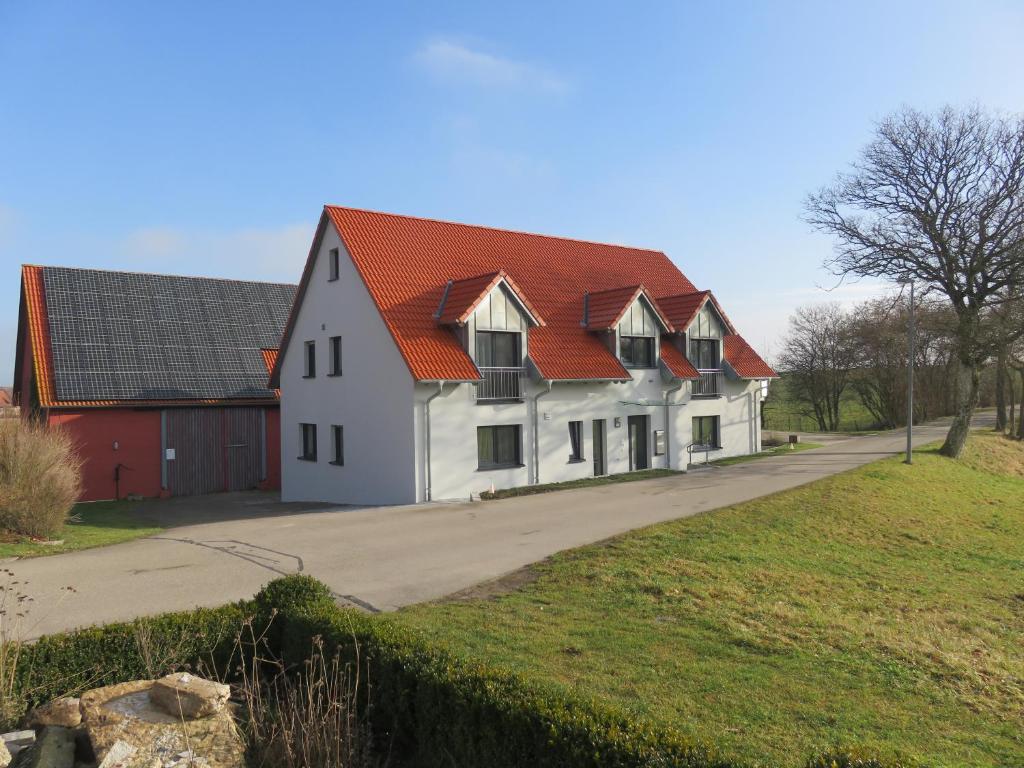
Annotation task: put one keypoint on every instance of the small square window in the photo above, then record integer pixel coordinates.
(333, 258)
(310, 360)
(308, 442)
(335, 356)
(337, 445)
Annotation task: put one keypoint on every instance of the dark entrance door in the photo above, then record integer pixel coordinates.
(213, 449)
(600, 466)
(638, 452)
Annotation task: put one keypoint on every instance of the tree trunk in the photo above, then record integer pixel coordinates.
(1020, 415)
(1001, 381)
(968, 384)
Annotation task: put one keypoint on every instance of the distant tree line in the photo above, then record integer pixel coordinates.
(831, 354)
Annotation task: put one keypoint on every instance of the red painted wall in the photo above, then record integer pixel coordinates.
(137, 434)
(273, 443)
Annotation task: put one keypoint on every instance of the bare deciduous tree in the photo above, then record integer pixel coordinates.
(817, 358)
(938, 199)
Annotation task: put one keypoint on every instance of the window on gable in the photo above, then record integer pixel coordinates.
(499, 446)
(705, 431)
(337, 445)
(636, 351)
(310, 369)
(308, 442)
(498, 349)
(334, 362)
(575, 441)
(704, 354)
(333, 260)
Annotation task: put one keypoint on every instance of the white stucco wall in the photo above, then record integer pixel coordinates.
(372, 399)
(455, 415)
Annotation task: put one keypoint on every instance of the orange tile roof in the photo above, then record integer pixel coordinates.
(676, 361)
(742, 358)
(681, 309)
(269, 358)
(606, 308)
(461, 298)
(406, 263)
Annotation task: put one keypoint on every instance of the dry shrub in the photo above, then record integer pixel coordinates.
(40, 478)
(306, 718)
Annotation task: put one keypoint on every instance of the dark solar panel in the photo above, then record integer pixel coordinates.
(128, 336)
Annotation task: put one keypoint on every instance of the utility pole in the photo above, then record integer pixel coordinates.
(910, 379)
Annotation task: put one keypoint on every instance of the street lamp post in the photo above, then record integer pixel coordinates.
(910, 379)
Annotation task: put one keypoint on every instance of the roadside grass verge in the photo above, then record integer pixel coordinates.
(95, 524)
(586, 482)
(777, 450)
(881, 608)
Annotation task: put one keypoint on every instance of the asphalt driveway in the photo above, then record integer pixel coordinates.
(225, 547)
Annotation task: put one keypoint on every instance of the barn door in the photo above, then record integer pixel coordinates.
(213, 449)
(243, 448)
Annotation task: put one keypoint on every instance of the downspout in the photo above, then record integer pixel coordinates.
(426, 441)
(536, 432)
(668, 423)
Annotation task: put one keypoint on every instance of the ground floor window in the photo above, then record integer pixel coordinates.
(308, 442)
(575, 441)
(705, 431)
(499, 446)
(337, 445)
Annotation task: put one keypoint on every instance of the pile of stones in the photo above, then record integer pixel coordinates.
(178, 721)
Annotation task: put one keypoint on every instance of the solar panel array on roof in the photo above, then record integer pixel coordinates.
(130, 336)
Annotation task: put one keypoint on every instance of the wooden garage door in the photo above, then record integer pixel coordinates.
(213, 449)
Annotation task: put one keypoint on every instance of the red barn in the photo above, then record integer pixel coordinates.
(161, 380)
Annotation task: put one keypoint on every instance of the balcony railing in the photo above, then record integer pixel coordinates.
(709, 384)
(500, 384)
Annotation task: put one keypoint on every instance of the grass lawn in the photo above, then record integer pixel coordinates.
(882, 608)
(92, 525)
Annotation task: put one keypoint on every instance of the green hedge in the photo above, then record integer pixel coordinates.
(427, 708)
(68, 663)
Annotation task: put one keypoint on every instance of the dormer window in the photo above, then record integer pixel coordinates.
(704, 354)
(636, 351)
(498, 349)
(492, 318)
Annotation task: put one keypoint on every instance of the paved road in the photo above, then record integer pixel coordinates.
(226, 546)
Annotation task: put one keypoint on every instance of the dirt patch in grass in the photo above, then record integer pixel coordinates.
(489, 590)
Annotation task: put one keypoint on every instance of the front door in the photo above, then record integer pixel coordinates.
(600, 467)
(638, 443)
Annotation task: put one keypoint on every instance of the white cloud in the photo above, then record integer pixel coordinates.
(451, 61)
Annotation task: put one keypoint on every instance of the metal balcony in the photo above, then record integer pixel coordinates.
(709, 384)
(500, 384)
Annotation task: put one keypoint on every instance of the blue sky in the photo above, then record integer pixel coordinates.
(203, 138)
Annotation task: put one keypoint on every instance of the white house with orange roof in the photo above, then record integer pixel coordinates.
(428, 360)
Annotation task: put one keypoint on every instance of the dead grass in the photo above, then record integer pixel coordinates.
(39, 478)
(999, 455)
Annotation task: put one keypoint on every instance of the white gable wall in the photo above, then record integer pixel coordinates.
(372, 399)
